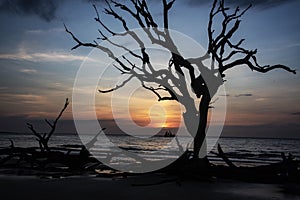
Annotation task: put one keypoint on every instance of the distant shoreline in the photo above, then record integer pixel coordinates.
(120, 134)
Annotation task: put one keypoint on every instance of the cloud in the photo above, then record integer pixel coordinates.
(261, 99)
(28, 71)
(55, 56)
(293, 45)
(295, 113)
(42, 56)
(24, 98)
(46, 10)
(31, 105)
(48, 31)
(260, 4)
(244, 95)
(224, 95)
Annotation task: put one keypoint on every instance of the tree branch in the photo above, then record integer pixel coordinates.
(44, 138)
(56, 120)
(30, 127)
(160, 98)
(219, 44)
(167, 7)
(118, 86)
(79, 43)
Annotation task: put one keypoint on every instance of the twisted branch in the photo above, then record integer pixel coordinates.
(43, 139)
(219, 44)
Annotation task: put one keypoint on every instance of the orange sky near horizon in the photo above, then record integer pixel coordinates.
(142, 108)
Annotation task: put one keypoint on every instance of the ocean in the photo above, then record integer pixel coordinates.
(242, 151)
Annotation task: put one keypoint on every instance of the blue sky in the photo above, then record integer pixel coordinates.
(38, 68)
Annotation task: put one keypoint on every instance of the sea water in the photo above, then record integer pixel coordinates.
(241, 151)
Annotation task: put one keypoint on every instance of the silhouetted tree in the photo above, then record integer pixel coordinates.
(43, 138)
(224, 52)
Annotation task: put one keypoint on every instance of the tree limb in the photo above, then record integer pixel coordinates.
(117, 86)
(43, 139)
(57, 118)
(220, 44)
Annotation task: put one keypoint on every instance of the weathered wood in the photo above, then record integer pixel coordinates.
(224, 157)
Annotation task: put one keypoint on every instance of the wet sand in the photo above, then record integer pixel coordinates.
(142, 187)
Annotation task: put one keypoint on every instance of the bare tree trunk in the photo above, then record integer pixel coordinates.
(45, 145)
(199, 139)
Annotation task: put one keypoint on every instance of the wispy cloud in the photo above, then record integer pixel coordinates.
(244, 95)
(24, 98)
(293, 45)
(42, 56)
(261, 99)
(47, 31)
(28, 71)
(283, 47)
(56, 56)
(31, 105)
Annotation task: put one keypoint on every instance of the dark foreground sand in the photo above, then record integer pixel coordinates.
(131, 188)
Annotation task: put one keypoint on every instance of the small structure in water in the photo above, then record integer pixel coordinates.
(168, 133)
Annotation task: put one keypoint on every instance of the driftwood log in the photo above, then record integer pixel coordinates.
(76, 158)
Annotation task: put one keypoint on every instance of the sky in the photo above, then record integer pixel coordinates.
(38, 68)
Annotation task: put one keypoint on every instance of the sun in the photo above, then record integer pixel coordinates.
(165, 125)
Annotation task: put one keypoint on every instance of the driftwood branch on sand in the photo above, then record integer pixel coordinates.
(77, 159)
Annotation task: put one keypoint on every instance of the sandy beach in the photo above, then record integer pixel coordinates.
(139, 187)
